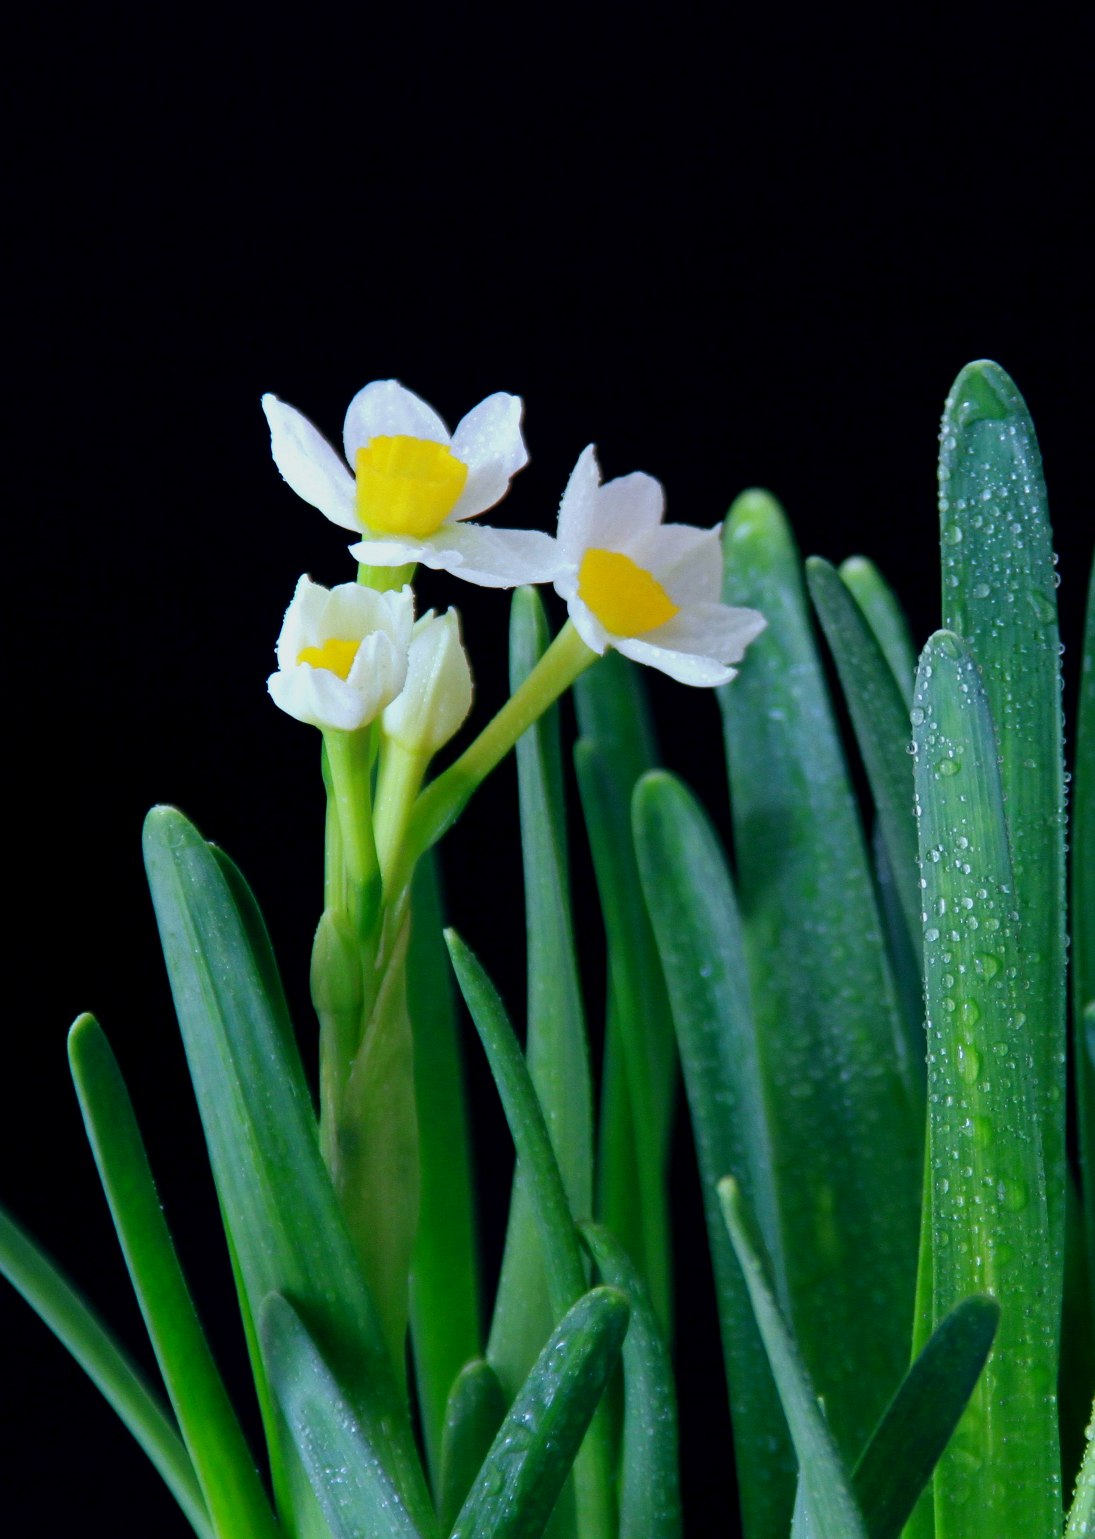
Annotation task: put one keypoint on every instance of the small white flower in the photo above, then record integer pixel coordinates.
(416, 485)
(342, 654)
(437, 695)
(647, 588)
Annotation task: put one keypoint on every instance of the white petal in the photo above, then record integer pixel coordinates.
(492, 558)
(586, 623)
(686, 561)
(301, 625)
(489, 442)
(379, 672)
(309, 463)
(626, 512)
(318, 697)
(685, 667)
(577, 509)
(387, 407)
(715, 630)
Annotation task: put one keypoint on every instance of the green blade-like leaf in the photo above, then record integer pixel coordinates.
(989, 1218)
(285, 1229)
(348, 1475)
(649, 1485)
(841, 1093)
(111, 1370)
(234, 1494)
(639, 1043)
(1083, 919)
(885, 617)
(445, 1301)
(476, 1409)
(1081, 1514)
(530, 1458)
(828, 1500)
(899, 1459)
(880, 717)
(999, 593)
(696, 922)
(639, 1072)
(563, 1262)
(556, 1045)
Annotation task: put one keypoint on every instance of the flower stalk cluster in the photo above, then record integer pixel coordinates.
(389, 691)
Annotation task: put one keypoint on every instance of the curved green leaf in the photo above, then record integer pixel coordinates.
(352, 1486)
(476, 1409)
(841, 1090)
(234, 1494)
(563, 1262)
(286, 1231)
(649, 1484)
(830, 1508)
(695, 918)
(531, 1457)
(989, 1217)
(111, 1370)
(556, 1046)
(910, 1439)
(1000, 595)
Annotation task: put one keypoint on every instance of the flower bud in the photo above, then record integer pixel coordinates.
(437, 695)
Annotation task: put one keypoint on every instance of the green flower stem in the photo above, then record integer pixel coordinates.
(386, 578)
(349, 757)
(398, 781)
(441, 803)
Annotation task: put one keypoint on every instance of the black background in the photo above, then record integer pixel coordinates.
(730, 250)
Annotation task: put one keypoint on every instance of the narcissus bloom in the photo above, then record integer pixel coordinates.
(415, 485)
(342, 654)
(436, 698)
(647, 588)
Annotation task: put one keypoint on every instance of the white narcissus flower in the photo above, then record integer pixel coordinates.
(647, 588)
(416, 485)
(342, 654)
(437, 695)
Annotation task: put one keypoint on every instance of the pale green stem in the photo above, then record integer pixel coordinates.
(385, 579)
(398, 781)
(334, 875)
(441, 803)
(349, 759)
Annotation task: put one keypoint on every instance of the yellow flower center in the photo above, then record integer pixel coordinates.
(334, 655)
(407, 485)
(626, 599)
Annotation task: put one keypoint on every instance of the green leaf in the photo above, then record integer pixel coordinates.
(828, 1501)
(348, 1475)
(476, 1409)
(445, 1302)
(556, 1046)
(1083, 919)
(285, 1230)
(841, 1092)
(530, 1458)
(639, 1073)
(999, 593)
(563, 1262)
(649, 1485)
(1081, 1514)
(113, 1373)
(234, 1495)
(696, 922)
(911, 1437)
(884, 615)
(880, 717)
(989, 1218)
